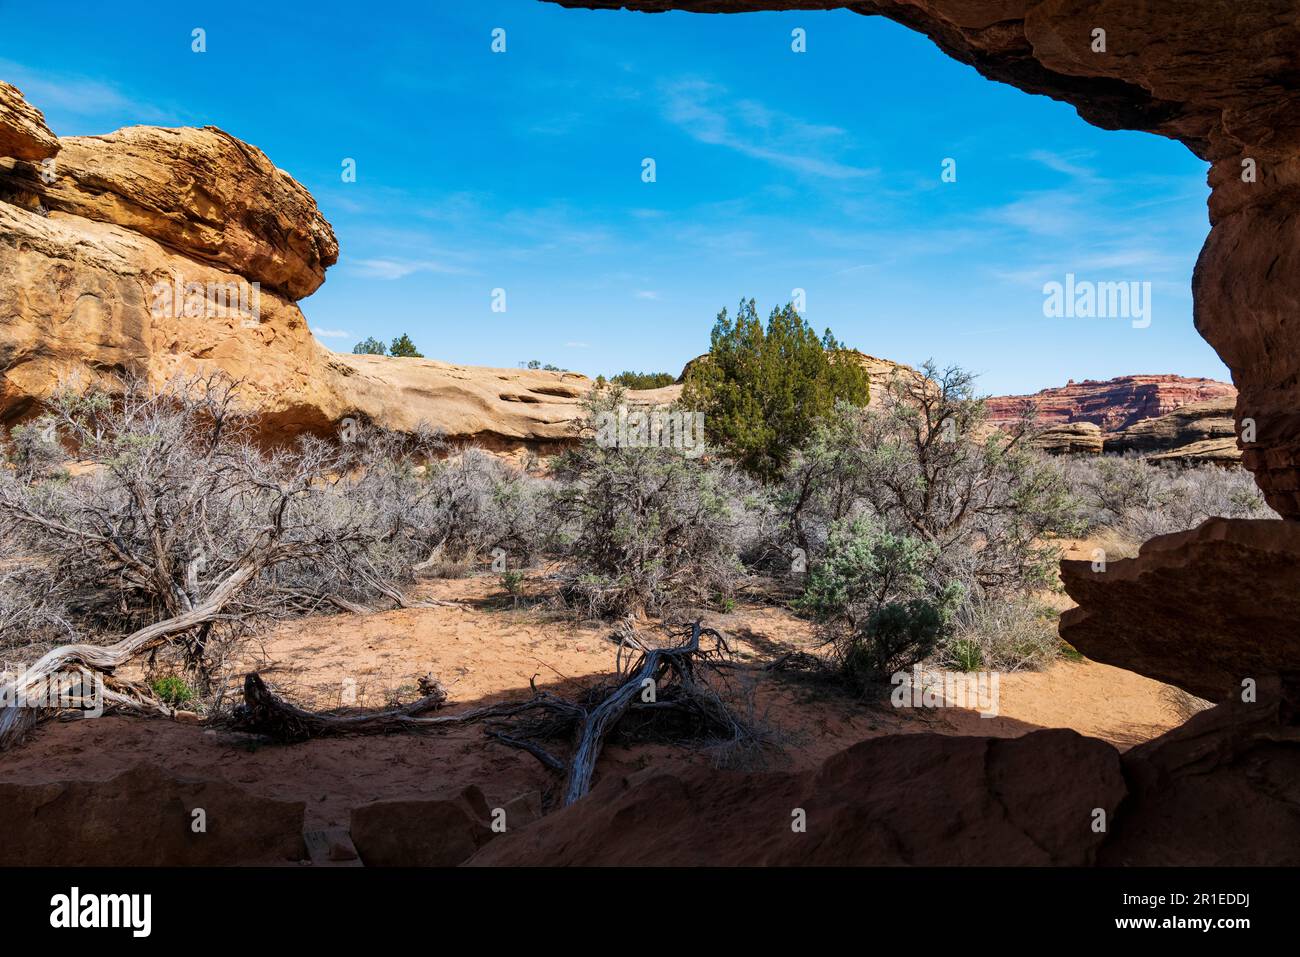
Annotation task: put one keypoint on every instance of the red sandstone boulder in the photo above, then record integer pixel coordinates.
(1204, 609)
(145, 817)
(422, 832)
(1223, 789)
(902, 799)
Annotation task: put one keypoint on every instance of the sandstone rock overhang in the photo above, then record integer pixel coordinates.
(23, 133)
(1216, 75)
(200, 193)
(1220, 790)
(912, 799)
(1205, 610)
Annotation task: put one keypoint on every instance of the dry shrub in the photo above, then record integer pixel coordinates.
(173, 501)
(1183, 703)
(1138, 500)
(33, 610)
(646, 530)
(1002, 634)
(476, 505)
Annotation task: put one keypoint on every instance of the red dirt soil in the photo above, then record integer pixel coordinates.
(483, 650)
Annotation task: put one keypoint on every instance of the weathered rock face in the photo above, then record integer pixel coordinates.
(23, 133)
(1114, 404)
(198, 192)
(422, 833)
(75, 300)
(1215, 74)
(1223, 789)
(492, 407)
(1198, 422)
(1222, 452)
(90, 265)
(923, 799)
(1204, 610)
(1071, 438)
(143, 817)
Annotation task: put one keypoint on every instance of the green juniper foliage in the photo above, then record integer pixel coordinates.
(761, 389)
(644, 380)
(403, 347)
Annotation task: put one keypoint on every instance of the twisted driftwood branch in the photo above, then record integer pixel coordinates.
(16, 720)
(671, 671)
(653, 665)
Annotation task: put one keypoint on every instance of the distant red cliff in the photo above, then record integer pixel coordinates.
(1114, 404)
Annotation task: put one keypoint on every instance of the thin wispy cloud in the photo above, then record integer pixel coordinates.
(1052, 213)
(80, 96)
(1066, 164)
(331, 333)
(710, 114)
(391, 269)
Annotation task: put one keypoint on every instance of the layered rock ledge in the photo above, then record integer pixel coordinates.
(1205, 610)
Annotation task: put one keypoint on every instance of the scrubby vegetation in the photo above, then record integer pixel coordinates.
(914, 516)
(402, 346)
(171, 512)
(1136, 500)
(909, 530)
(645, 529)
(643, 380)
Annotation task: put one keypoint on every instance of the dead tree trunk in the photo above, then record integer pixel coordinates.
(646, 674)
(16, 719)
(264, 713)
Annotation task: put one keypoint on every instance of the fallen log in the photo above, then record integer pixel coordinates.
(672, 672)
(264, 713)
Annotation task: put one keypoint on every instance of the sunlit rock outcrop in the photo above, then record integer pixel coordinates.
(163, 252)
(23, 133)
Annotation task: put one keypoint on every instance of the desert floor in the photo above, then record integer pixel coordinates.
(484, 649)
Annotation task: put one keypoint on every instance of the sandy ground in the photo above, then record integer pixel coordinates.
(483, 649)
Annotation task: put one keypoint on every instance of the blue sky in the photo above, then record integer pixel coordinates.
(775, 171)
